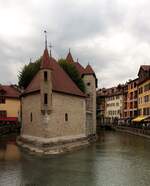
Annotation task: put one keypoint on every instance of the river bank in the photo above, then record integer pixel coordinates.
(136, 131)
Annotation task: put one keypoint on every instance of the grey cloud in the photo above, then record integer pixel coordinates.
(71, 23)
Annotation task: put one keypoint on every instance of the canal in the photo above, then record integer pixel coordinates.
(117, 159)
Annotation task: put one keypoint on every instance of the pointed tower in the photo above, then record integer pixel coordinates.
(90, 81)
(69, 58)
(46, 83)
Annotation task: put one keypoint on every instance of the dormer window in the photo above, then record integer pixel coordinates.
(88, 84)
(45, 76)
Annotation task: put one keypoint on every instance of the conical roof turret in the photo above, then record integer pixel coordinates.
(69, 58)
(89, 70)
(46, 60)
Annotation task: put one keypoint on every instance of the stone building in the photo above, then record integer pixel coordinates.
(114, 104)
(110, 104)
(56, 115)
(90, 81)
(100, 109)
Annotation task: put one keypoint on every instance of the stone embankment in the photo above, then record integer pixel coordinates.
(136, 131)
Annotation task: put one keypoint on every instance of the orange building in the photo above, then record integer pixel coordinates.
(131, 106)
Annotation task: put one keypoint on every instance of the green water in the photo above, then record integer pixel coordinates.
(117, 159)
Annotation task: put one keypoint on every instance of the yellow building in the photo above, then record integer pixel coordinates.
(144, 91)
(144, 98)
(9, 103)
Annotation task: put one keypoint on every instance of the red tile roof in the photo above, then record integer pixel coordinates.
(46, 63)
(69, 58)
(34, 85)
(88, 70)
(61, 82)
(10, 91)
(113, 91)
(80, 68)
(145, 67)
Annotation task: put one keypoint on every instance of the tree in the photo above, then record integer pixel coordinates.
(27, 73)
(71, 70)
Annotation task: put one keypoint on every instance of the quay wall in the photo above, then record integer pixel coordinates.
(136, 131)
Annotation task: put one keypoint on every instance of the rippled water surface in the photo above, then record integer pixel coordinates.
(117, 159)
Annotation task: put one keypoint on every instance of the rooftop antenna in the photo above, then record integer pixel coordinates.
(45, 32)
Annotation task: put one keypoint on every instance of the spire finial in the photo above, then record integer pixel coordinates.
(45, 32)
(30, 60)
(69, 50)
(77, 59)
(50, 46)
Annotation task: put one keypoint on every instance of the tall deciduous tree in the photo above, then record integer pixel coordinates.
(71, 70)
(27, 73)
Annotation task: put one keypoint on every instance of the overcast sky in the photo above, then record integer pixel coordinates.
(112, 35)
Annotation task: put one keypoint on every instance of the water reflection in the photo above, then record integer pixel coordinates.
(9, 151)
(116, 159)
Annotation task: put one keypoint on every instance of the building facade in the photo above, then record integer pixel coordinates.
(144, 91)
(9, 103)
(114, 107)
(100, 109)
(89, 78)
(131, 108)
(110, 104)
(54, 110)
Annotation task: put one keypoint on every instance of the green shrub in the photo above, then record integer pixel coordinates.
(73, 73)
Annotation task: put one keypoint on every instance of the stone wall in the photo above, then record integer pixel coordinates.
(90, 84)
(136, 131)
(54, 124)
(74, 108)
(32, 104)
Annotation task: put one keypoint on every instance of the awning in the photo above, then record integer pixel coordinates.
(140, 118)
(9, 119)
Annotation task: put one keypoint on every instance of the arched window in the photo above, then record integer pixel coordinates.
(66, 117)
